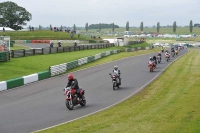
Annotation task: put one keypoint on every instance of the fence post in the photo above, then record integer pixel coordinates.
(24, 53)
(33, 51)
(42, 50)
(12, 53)
(57, 49)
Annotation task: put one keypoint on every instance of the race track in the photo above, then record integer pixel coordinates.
(42, 104)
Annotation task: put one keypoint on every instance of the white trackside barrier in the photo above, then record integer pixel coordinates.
(107, 53)
(3, 85)
(82, 61)
(114, 51)
(30, 78)
(97, 56)
(57, 69)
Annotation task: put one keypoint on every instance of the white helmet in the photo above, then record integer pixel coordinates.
(115, 67)
(150, 57)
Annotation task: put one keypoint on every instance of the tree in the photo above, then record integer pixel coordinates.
(191, 26)
(13, 16)
(174, 27)
(158, 27)
(51, 27)
(141, 26)
(113, 27)
(99, 27)
(127, 26)
(40, 27)
(86, 27)
(74, 27)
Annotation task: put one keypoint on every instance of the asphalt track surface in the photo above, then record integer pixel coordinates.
(41, 104)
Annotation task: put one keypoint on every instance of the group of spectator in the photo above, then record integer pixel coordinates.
(60, 44)
(31, 28)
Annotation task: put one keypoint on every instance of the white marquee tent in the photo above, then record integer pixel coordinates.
(6, 29)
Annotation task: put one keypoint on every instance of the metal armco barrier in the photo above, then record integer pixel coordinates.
(48, 50)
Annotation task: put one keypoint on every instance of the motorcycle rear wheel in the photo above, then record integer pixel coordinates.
(68, 105)
(83, 102)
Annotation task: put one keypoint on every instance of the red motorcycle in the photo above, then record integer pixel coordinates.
(73, 98)
(151, 66)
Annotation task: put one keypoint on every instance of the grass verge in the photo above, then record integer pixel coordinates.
(168, 105)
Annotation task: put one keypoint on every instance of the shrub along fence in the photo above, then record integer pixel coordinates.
(48, 50)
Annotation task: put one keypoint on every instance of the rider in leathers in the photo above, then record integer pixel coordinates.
(73, 83)
(117, 71)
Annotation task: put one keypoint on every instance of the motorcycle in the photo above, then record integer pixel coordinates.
(151, 66)
(176, 52)
(159, 59)
(115, 81)
(73, 98)
(173, 54)
(167, 58)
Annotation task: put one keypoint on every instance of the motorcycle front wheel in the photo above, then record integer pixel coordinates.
(69, 105)
(114, 85)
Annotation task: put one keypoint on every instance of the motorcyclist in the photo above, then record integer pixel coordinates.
(117, 72)
(155, 59)
(159, 54)
(172, 51)
(73, 83)
(151, 61)
(167, 54)
(162, 49)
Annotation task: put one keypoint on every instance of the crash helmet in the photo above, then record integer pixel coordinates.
(115, 67)
(70, 77)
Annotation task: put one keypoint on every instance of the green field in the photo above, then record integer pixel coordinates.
(168, 105)
(168, 30)
(42, 35)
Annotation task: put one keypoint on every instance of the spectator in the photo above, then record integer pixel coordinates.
(59, 44)
(79, 35)
(3, 29)
(32, 28)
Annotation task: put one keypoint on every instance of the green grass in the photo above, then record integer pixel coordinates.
(31, 64)
(168, 105)
(42, 35)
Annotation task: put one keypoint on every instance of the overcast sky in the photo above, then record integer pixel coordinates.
(79, 12)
